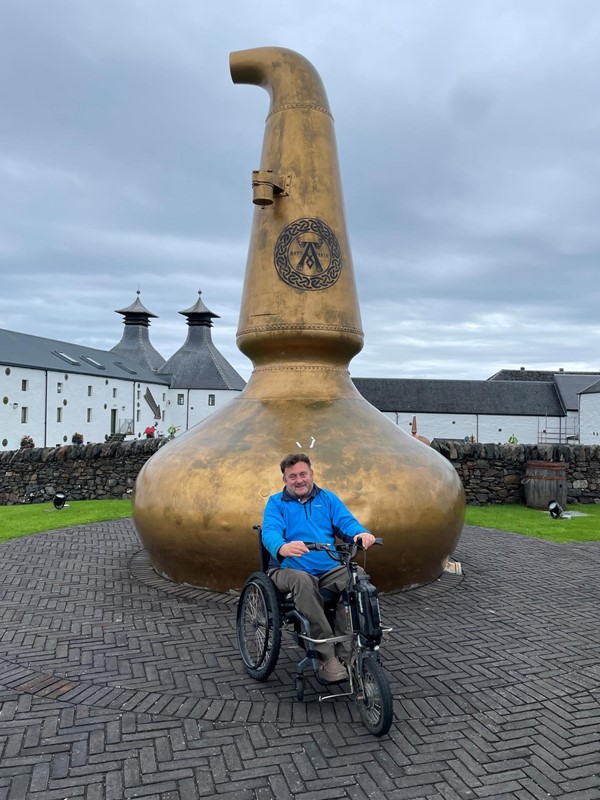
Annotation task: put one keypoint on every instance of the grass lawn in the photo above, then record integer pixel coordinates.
(38, 517)
(531, 522)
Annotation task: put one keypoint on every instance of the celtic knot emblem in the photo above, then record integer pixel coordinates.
(307, 255)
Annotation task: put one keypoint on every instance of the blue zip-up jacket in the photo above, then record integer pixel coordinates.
(320, 519)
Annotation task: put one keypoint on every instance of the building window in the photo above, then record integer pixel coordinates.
(24, 414)
(89, 391)
(24, 385)
(89, 415)
(59, 388)
(59, 414)
(211, 399)
(114, 392)
(180, 399)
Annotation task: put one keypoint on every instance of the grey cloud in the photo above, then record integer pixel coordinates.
(468, 140)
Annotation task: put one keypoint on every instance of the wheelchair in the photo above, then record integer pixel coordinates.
(263, 612)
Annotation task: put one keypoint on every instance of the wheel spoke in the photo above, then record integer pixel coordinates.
(375, 701)
(255, 625)
(373, 704)
(259, 626)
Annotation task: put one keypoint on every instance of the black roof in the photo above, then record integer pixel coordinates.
(522, 398)
(537, 374)
(593, 389)
(522, 375)
(137, 308)
(198, 364)
(135, 343)
(199, 312)
(569, 383)
(35, 352)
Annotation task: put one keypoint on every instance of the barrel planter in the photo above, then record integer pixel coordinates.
(545, 481)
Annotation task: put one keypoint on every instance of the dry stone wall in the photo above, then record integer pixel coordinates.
(83, 472)
(494, 473)
(490, 473)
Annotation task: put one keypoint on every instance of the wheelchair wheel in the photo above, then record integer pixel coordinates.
(375, 702)
(259, 626)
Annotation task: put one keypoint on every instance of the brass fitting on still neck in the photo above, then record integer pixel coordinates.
(265, 186)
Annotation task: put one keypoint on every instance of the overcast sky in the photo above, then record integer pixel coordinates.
(469, 143)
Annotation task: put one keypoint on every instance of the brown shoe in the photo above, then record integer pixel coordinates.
(332, 671)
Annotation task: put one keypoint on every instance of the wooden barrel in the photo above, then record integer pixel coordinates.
(545, 481)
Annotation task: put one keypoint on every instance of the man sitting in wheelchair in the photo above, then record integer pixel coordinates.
(303, 512)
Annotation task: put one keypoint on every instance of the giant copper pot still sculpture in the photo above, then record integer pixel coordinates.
(196, 499)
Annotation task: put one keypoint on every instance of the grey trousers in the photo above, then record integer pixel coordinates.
(309, 602)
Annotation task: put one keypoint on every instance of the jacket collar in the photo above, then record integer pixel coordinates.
(285, 495)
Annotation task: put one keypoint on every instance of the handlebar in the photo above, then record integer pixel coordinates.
(339, 548)
(338, 552)
(377, 541)
(342, 553)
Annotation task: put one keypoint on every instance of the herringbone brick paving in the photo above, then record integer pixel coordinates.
(115, 683)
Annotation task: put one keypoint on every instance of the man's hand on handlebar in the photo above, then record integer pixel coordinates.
(293, 549)
(297, 548)
(365, 540)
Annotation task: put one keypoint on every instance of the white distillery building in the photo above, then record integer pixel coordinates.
(51, 390)
(529, 406)
(589, 411)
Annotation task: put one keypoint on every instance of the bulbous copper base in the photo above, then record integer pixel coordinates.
(196, 500)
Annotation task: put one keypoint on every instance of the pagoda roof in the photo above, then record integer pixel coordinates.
(136, 308)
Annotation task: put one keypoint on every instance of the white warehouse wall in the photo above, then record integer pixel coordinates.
(185, 408)
(13, 400)
(88, 405)
(483, 427)
(589, 418)
(93, 405)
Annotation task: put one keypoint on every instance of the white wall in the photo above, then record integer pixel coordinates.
(42, 399)
(187, 407)
(78, 402)
(572, 424)
(437, 426)
(484, 427)
(589, 418)
(107, 394)
(528, 430)
(13, 399)
(199, 403)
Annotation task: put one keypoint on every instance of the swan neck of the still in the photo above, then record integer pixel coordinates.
(299, 302)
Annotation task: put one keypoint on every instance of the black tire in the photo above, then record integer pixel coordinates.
(299, 688)
(259, 626)
(375, 702)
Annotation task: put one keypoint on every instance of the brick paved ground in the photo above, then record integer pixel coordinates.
(115, 683)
